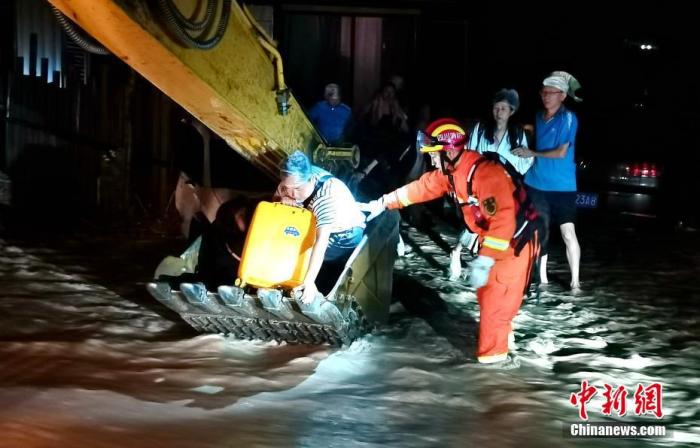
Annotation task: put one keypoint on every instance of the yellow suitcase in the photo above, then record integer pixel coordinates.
(278, 246)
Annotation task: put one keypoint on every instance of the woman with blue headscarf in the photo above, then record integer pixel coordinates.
(339, 221)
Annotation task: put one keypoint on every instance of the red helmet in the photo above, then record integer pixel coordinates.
(442, 134)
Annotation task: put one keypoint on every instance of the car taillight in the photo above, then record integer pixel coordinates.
(644, 169)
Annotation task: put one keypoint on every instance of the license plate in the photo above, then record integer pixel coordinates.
(586, 200)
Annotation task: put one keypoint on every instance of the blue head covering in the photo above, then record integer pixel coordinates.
(297, 164)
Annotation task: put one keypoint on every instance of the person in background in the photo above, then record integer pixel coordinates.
(340, 223)
(220, 249)
(551, 181)
(222, 242)
(501, 135)
(398, 82)
(209, 208)
(331, 116)
(384, 139)
(384, 111)
(400, 88)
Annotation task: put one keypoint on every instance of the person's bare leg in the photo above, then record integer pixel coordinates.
(573, 251)
(543, 270)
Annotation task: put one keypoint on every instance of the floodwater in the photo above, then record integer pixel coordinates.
(88, 359)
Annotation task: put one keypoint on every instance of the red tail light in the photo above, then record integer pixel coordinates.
(644, 169)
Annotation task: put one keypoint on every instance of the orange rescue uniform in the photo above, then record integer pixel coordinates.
(492, 193)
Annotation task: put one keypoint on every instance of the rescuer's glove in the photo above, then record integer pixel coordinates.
(373, 208)
(479, 271)
(456, 263)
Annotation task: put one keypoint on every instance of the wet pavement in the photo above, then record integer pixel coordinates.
(87, 358)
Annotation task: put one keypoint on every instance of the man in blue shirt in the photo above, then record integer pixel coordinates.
(551, 181)
(330, 116)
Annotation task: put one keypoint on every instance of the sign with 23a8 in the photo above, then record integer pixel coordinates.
(586, 200)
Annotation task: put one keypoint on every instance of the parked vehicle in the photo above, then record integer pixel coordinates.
(625, 184)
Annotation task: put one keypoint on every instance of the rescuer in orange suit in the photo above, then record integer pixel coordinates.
(498, 274)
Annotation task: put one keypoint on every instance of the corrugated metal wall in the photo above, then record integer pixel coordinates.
(33, 17)
(82, 146)
(80, 142)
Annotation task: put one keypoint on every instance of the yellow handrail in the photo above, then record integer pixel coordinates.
(277, 57)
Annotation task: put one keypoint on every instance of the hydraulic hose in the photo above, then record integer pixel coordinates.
(191, 25)
(86, 43)
(169, 11)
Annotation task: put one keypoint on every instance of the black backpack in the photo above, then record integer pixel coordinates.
(319, 184)
(529, 224)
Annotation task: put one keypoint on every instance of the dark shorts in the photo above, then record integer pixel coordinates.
(557, 207)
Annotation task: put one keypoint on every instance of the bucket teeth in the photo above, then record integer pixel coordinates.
(198, 296)
(274, 302)
(323, 311)
(267, 316)
(162, 292)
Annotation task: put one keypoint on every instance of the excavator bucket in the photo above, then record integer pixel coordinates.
(359, 299)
